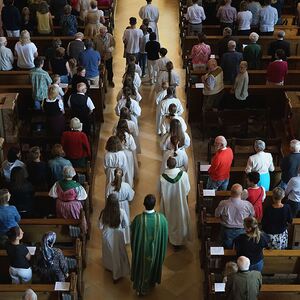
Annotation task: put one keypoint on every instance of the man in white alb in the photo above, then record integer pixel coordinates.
(132, 38)
(151, 13)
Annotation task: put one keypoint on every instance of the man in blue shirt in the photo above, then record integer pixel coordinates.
(90, 59)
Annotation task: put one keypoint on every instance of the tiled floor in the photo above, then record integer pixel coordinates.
(182, 278)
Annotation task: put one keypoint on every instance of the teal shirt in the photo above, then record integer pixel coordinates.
(40, 81)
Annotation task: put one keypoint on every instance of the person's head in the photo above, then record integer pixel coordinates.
(230, 268)
(75, 124)
(113, 144)
(9, 2)
(132, 21)
(171, 91)
(227, 31)
(280, 54)
(53, 92)
(81, 71)
(60, 52)
(243, 66)
(117, 182)
(152, 36)
(3, 41)
(169, 66)
(79, 36)
(48, 241)
(280, 34)
(4, 197)
(81, 87)
(35, 153)
(253, 178)
(149, 202)
(24, 37)
(277, 195)
(252, 229)
(88, 43)
(122, 128)
(295, 146)
(243, 6)
(103, 31)
(146, 22)
(29, 295)
(171, 163)
(94, 4)
(25, 12)
(13, 154)
(220, 142)
(17, 177)
(68, 172)
(132, 59)
(144, 28)
(253, 37)
(236, 190)
(58, 150)
(243, 263)
(39, 61)
(211, 64)
(163, 52)
(201, 37)
(231, 45)
(259, 145)
(227, 2)
(72, 63)
(172, 109)
(55, 79)
(267, 2)
(56, 43)
(110, 215)
(125, 113)
(15, 234)
(43, 7)
(67, 9)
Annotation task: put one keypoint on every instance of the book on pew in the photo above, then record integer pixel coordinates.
(199, 85)
(216, 250)
(219, 287)
(62, 286)
(209, 193)
(31, 250)
(212, 56)
(204, 168)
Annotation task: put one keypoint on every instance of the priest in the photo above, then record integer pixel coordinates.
(174, 188)
(151, 13)
(149, 238)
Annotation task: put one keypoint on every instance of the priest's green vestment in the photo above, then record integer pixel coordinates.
(149, 237)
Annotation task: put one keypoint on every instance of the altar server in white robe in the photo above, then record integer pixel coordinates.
(159, 98)
(112, 222)
(174, 188)
(114, 158)
(151, 13)
(170, 76)
(125, 194)
(129, 147)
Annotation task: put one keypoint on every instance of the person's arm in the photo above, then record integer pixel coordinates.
(289, 187)
(17, 216)
(219, 209)
(62, 262)
(275, 16)
(11, 57)
(53, 191)
(68, 68)
(249, 165)
(81, 193)
(203, 14)
(271, 166)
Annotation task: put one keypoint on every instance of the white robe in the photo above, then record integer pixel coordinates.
(160, 96)
(181, 158)
(174, 206)
(112, 160)
(114, 254)
(161, 64)
(137, 98)
(164, 77)
(151, 13)
(165, 124)
(166, 144)
(125, 195)
(134, 108)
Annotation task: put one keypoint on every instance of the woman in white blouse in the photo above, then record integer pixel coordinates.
(244, 19)
(262, 163)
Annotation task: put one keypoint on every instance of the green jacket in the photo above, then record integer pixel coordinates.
(40, 81)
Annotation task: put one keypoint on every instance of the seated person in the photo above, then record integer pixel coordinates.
(22, 193)
(18, 256)
(51, 264)
(76, 144)
(13, 160)
(68, 194)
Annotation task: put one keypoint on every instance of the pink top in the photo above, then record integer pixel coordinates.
(200, 54)
(277, 71)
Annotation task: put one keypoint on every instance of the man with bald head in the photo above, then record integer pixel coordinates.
(232, 213)
(220, 165)
(245, 284)
(213, 86)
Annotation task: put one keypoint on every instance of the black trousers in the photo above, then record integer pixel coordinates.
(109, 68)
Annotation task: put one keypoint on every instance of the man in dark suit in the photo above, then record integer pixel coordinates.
(279, 44)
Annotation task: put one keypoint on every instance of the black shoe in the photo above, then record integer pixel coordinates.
(111, 84)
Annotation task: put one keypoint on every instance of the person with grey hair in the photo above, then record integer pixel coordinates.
(262, 163)
(230, 62)
(292, 192)
(252, 52)
(223, 42)
(6, 56)
(280, 43)
(68, 194)
(276, 219)
(244, 282)
(29, 295)
(219, 170)
(290, 163)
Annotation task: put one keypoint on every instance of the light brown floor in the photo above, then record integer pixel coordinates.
(181, 278)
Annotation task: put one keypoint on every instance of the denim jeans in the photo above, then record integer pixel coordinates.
(217, 184)
(257, 267)
(143, 62)
(228, 235)
(37, 104)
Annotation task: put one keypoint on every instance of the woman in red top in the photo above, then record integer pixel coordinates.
(277, 69)
(256, 194)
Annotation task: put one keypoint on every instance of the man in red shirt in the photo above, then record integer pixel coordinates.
(220, 165)
(277, 70)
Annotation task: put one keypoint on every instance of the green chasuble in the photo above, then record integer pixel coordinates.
(149, 238)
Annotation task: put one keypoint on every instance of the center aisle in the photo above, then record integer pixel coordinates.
(181, 278)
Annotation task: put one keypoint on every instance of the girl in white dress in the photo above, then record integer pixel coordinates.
(170, 76)
(159, 97)
(135, 95)
(112, 222)
(130, 71)
(129, 147)
(114, 158)
(125, 194)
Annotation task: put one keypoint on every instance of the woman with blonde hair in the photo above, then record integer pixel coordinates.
(44, 19)
(93, 20)
(251, 244)
(124, 194)
(25, 51)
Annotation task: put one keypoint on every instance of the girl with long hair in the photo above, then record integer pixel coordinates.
(112, 221)
(128, 83)
(131, 72)
(124, 194)
(169, 76)
(251, 244)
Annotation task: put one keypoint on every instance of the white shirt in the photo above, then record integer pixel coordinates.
(89, 102)
(161, 64)
(132, 39)
(25, 55)
(292, 190)
(260, 162)
(268, 17)
(6, 59)
(149, 12)
(195, 14)
(244, 19)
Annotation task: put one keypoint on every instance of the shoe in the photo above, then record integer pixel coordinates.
(111, 84)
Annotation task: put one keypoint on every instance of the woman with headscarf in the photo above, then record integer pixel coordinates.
(68, 194)
(51, 264)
